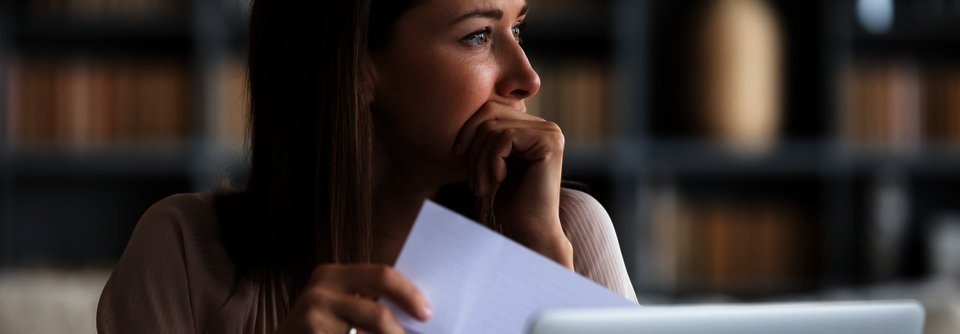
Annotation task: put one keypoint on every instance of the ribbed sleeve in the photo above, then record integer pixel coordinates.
(596, 250)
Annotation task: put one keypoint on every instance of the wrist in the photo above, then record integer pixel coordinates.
(551, 243)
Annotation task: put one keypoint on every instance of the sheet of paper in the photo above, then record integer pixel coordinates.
(478, 281)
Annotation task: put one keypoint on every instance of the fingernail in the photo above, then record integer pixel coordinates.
(425, 313)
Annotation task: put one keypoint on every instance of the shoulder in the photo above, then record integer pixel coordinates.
(596, 250)
(572, 197)
(178, 224)
(181, 209)
(167, 277)
(580, 207)
(584, 219)
(170, 224)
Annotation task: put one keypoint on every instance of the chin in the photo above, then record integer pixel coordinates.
(452, 170)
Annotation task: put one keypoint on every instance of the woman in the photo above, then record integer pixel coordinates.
(361, 110)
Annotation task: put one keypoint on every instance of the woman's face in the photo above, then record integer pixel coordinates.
(447, 58)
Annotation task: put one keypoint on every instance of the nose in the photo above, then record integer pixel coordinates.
(518, 80)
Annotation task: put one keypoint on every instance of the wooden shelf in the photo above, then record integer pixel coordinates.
(699, 157)
(164, 37)
(136, 158)
(579, 28)
(557, 30)
(920, 29)
(788, 158)
(929, 21)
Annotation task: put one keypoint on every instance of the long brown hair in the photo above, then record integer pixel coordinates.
(308, 198)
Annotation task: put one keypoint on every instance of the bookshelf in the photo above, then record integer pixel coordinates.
(849, 184)
(108, 107)
(838, 185)
(641, 149)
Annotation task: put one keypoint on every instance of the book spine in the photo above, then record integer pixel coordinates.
(79, 102)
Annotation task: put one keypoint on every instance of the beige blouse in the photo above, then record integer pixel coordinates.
(175, 275)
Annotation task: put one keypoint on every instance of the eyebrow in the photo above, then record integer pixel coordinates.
(495, 14)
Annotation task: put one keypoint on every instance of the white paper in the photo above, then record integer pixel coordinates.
(478, 281)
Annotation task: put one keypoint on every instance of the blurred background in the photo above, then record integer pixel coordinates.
(747, 150)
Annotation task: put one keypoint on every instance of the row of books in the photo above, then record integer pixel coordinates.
(86, 101)
(728, 246)
(574, 94)
(577, 95)
(95, 10)
(900, 106)
(228, 100)
(885, 105)
(89, 100)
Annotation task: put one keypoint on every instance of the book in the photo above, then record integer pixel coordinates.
(941, 105)
(84, 102)
(725, 246)
(229, 101)
(577, 95)
(880, 107)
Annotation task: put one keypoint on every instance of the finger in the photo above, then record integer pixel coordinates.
(324, 313)
(499, 152)
(489, 111)
(469, 129)
(367, 315)
(370, 279)
(472, 157)
(320, 320)
(486, 159)
(536, 142)
(477, 157)
(523, 144)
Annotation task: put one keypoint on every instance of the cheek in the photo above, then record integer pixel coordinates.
(462, 93)
(425, 104)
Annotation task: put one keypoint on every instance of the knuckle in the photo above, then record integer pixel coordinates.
(315, 297)
(320, 273)
(383, 318)
(385, 274)
(489, 125)
(315, 316)
(558, 137)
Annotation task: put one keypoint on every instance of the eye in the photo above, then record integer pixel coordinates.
(479, 38)
(518, 29)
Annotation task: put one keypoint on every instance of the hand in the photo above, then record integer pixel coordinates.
(340, 296)
(524, 155)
